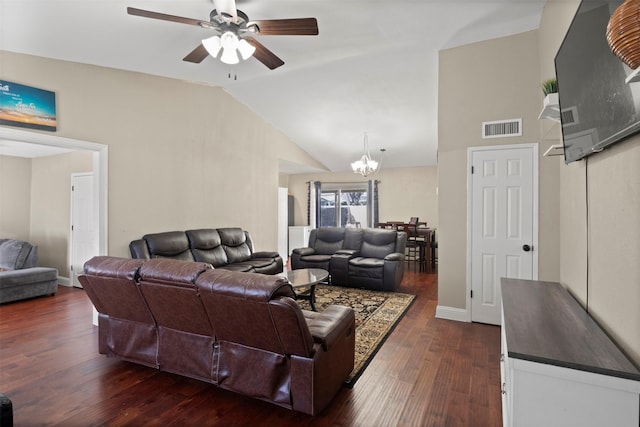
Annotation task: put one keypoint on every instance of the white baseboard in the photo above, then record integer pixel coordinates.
(64, 281)
(452, 313)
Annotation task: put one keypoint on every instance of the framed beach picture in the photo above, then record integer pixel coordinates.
(27, 107)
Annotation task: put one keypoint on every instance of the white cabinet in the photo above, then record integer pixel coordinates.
(298, 237)
(558, 368)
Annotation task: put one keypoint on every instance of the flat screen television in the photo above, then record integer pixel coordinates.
(597, 107)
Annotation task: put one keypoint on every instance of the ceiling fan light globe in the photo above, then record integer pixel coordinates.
(229, 41)
(213, 45)
(229, 56)
(246, 49)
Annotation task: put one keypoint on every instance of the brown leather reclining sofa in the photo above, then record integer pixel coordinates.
(229, 248)
(240, 331)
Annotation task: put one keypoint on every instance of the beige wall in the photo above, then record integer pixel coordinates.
(15, 197)
(402, 193)
(181, 155)
(589, 228)
(599, 227)
(504, 84)
(37, 196)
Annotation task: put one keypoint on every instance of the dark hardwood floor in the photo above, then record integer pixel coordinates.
(429, 372)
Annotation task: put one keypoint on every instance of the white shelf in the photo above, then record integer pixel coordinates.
(551, 108)
(554, 150)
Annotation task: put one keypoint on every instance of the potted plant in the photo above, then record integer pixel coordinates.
(550, 91)
(550, 104)
(549, 86)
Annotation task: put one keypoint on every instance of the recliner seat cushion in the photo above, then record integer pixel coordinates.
(366, 267)
(244, 267)
(316, 258)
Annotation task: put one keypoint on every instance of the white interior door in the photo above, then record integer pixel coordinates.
(503, 223)
(84, 227)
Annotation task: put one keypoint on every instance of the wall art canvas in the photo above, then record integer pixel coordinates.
(26, 106)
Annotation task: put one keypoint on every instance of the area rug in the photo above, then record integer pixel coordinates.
(377, 313)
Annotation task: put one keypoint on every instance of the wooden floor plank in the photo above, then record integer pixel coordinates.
(429, 372)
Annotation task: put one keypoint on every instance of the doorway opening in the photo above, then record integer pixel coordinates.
(100, 168)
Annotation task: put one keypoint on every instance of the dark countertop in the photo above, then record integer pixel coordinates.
(544, 323)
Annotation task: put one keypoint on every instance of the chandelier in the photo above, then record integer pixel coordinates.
(366, 165)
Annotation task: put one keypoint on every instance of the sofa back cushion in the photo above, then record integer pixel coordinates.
(170, 244)
(126, 326)
(326, 240)
(246, 308)
(17, 254)
(378, 243)
(169, 287)
(206, 246)
(235, 243)
(353, 238)
(110, 284)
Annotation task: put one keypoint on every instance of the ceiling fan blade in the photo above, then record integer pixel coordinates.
(165, 17)
(263, 54)
(288, 27)
(226, 6)
(197, 55)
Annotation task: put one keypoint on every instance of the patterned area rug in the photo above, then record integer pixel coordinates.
(377, 313)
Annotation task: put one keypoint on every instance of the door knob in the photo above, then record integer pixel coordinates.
(526, 248)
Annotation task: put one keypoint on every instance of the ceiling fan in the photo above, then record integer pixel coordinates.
(233, 33)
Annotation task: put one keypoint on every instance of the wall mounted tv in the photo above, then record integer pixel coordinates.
(598, 108)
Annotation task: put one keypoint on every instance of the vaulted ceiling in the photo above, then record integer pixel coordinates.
(373, 67)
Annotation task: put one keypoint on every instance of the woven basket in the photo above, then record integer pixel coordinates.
(623, 33)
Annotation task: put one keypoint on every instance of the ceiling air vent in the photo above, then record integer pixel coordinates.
(502, 128)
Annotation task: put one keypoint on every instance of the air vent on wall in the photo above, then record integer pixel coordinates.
(569, 116)
(502, 128)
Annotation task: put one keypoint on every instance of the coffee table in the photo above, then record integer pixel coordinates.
(303, 278)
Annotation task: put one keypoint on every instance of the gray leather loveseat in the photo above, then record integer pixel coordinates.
(356, 257)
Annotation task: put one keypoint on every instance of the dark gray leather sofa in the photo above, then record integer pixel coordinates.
(356, 257)
(228, 248)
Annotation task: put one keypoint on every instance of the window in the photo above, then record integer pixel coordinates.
(344, 205)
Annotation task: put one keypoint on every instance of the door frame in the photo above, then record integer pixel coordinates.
(535, 204)
(100, 168)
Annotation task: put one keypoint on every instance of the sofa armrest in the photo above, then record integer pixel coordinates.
(350, 252)
(139, 249)
(395, 256)
(331, 325)
(303, 251)
(265, 254)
